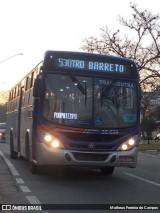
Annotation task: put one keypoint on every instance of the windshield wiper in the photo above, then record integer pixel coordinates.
(105, 90)
(82, 89)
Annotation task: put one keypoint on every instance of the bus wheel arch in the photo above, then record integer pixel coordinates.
(34, 168)
(28, 155)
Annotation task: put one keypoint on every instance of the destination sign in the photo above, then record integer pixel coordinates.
(90, 65)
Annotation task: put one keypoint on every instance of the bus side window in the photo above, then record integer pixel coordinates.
(22, 97)
(32, 80)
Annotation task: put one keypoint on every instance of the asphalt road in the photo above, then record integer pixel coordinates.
(82, 186)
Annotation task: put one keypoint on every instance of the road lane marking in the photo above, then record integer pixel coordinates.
(142, 179)
(25, 189)
(10, 165)
(33, 200)
(19, 180)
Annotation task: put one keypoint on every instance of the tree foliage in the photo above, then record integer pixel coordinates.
(143, 46)
(3, 97)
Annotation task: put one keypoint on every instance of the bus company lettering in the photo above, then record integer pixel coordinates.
(90, 65)
(118, 84)
(62, 115)
(103, 132)
(125, 84)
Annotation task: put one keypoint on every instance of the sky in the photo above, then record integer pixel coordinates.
(31, 27)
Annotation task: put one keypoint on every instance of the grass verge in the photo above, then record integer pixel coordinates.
(144, 147)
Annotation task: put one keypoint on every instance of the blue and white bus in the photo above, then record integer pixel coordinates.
(76, 109)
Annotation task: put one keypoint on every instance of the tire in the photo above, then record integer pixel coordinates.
(34, 168)
(107, 170)
(13, 154)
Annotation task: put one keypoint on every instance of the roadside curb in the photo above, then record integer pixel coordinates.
(10, 192)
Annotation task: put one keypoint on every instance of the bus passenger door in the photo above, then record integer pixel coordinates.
(21, 102)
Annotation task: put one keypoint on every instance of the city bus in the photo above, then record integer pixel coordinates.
(76, 109)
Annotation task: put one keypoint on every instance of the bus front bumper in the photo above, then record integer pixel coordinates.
(48, 156)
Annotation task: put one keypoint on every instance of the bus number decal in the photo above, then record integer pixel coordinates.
(71, 63)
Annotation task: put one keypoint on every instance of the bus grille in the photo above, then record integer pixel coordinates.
(82, 141)
(91, 137)
(83, 146)
(90, 157)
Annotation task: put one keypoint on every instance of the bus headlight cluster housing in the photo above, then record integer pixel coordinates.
(129, 144)
(51, 141)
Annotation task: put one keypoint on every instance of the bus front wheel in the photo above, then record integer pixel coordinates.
(33, 168)
(107, 170)
(13, 154)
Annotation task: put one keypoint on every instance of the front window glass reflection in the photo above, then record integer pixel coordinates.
(68, 100)
(115, 103)
(88, 102)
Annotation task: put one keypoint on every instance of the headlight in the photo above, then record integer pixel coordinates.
(129, 144)
(50, 140)
(131, 141)
(55, 144)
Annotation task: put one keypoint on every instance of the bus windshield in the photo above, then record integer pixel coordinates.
(89, 102)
